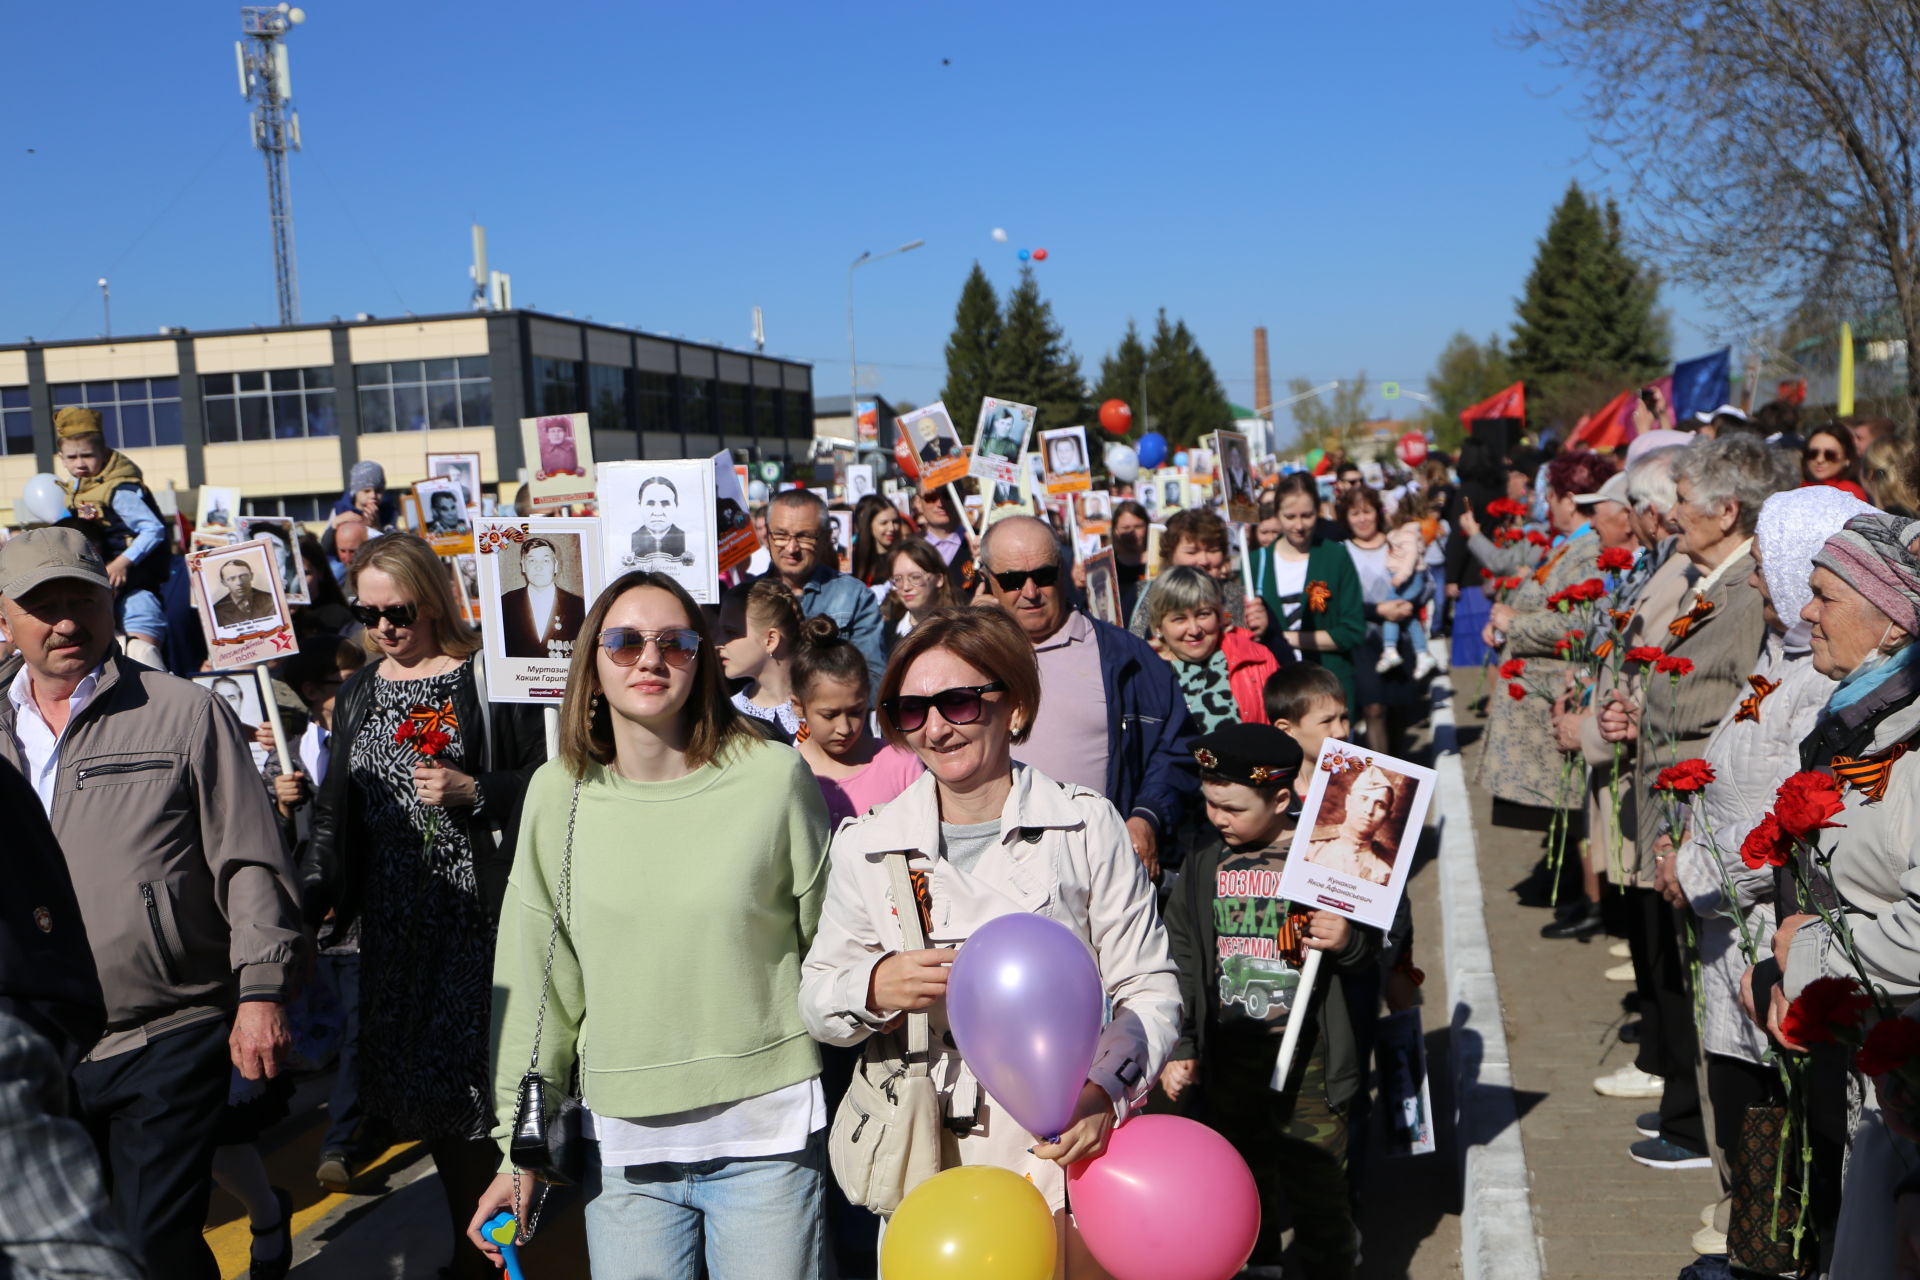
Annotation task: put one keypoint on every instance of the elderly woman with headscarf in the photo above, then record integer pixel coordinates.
(1752, 750)
(1707, 651)
(1865, 613)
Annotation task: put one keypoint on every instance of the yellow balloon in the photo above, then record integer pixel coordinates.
(974, 1223)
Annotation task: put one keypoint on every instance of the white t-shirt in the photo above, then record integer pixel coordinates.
(1289, 577)
(1376, 580)
(771, 1124)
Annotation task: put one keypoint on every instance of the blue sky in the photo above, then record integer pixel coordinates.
(1364, 179)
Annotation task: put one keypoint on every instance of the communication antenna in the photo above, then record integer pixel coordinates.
(267, 82)
(759, 330)
(479, 268)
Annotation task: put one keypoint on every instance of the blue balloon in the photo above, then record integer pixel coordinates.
(1152, 449)
(1024, 255)
(1181, 458)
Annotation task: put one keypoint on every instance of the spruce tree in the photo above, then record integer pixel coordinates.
(1121, 373)
(1033, 363)
(976, 333)
(1588, 324)
(1184, 397)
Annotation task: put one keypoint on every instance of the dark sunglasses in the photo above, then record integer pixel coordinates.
(400, 615)
(959, 705)
(625, 645)
(1015, 581)
(1827, 455)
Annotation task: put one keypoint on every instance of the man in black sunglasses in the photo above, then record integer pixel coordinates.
(1112, 718)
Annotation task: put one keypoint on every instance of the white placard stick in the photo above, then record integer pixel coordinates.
(966, 525)
(551, 715)
(1246, 558)
(272, 707)
(1296, 1018)
(1073, 530)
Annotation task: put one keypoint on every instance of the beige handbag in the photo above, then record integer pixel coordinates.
(885, 1139)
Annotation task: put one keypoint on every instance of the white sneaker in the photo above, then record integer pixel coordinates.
(1706, 1240)
(1423, 665)
(1620, 951)
(1621, 972)
(1388, 660)
(1629, 1082)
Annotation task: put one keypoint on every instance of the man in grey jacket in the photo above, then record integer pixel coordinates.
(184, 886)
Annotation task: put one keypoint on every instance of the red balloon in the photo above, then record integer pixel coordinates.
(1116, 417)
(1039, 255)
(904, 455)
(1412, 448)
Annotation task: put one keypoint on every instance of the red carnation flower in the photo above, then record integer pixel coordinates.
(1589, 591)
(1502, 508)
(1827, 1006)
(1538, 538)
(406, 731)
(1510, 584)
(1669, 665)
(1486, 574)
(1644, 653)
(1567, 641)
(1512, 667)
(1615, 559)
(1804, 803)
(1501, 537)
(434, 741)
(1516, 691)
(1688, 775)
(1557, 599)
(1766, 845)
(1891, 1045)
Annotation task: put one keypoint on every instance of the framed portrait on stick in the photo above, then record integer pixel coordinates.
(449, 524)
(243, 611)
(1360, 820)
(1103, 588)
(463, 467)
(241, 692)
(735, 539)
(1063, 460)
(278, 532)
(1000, 438)
(936, 444)
(538, 576)
(559, 453)
(1237, 486)
(659, 516)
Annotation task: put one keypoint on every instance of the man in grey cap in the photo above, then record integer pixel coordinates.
(184, 887)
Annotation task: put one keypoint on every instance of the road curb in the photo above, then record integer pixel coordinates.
(1498, 1236)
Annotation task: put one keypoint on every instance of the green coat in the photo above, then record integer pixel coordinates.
(1344, 618)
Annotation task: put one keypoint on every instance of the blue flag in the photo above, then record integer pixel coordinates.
(1702, 385)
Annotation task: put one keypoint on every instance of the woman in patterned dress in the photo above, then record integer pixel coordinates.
(413, 840)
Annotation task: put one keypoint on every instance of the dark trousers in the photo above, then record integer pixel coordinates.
(152, 1115)
(344, 1113)
(1669, 1043)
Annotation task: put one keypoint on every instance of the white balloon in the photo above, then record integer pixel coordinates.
(757, 492)
(1123, 464)
(1000, 234)
(43, 499)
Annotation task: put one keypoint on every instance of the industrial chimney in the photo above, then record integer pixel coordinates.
(1262, 376)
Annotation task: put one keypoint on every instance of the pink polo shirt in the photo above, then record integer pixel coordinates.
(1069, 741)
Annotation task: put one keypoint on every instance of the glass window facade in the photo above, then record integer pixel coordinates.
(653, 401)
(612, 399)
(281, 404)
(556, 386)
(411, 395)
(697, 404)
(135, 413)
(733, 402)
(797, 422)
(311, 508)
(16, 422)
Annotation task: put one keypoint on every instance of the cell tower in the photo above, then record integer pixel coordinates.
(267, 82)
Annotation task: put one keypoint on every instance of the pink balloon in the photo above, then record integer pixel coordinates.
(1169, 1200)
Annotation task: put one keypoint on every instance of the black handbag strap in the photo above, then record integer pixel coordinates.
(562, 901)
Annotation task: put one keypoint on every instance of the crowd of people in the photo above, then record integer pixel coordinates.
(733, 875)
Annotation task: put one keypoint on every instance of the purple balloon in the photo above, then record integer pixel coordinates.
(1025, 1004)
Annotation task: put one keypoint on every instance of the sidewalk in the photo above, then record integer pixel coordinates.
(1600, 1215)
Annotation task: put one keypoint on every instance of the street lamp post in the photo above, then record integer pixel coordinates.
(853, 367)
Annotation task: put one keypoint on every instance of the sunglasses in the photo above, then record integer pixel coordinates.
(1015, 581)
(400, 615)
(1827, 455)
(959, 705)
(626, 645)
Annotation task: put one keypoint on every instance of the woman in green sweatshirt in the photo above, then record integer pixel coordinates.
(1310, 586)
(697, 868)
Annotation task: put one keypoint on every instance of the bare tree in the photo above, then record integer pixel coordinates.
(1770, 144)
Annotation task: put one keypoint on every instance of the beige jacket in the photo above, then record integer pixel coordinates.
(1063, 853)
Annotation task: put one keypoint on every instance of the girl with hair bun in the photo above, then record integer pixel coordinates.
(760, 630)
(833, 695)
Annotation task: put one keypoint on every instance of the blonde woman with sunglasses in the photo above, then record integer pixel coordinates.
(684, 858)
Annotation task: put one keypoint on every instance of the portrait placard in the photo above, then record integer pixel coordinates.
(658, 515)
(733, 525)
(464, 467)
(538, 577)
(241, 693)
(449, 526)
(1237, 486)
(1359, 824)
(931, 435)
(1063, 459)
(1000, 438)
(1173, 490)
(285, 540)
(1095, 512)
(219, 507)
(840, 521)
(243, 612)
(859, 480)
(1103, 588)
(559, 452)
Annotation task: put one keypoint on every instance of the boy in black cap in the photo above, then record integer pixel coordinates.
(1239, 947)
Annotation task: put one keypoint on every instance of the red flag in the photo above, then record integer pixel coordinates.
(1511, 403)
(1610, 427)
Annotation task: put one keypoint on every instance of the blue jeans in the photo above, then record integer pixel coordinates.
(1412, 589)
(758, 1218)
(139, 613)
(344, 1112)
